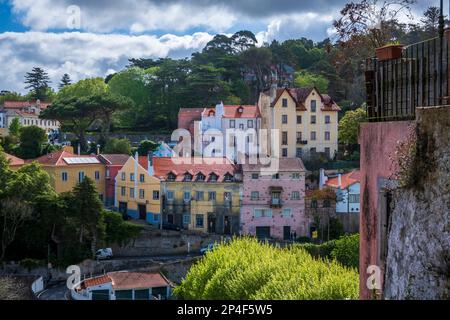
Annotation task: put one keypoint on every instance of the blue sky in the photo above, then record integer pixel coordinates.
(87, 38)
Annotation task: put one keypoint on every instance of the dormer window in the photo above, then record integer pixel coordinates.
(171, 176)
(313, 105)
(213, 177)
(228, 177)
(240, 110)
(188, 177)
(201, 177)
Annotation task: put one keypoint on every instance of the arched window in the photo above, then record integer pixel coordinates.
(200, 177)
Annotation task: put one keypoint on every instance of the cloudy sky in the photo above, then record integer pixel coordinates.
(88, 38)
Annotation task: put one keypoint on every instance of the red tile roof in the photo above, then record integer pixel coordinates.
(24, 104)
(14, 161)
(163, 166)
(57, 158)
(137, 280)
(299, 95)
(232, 111)
(285, 165)
(114, 159)
(91, 282)
(347, 180)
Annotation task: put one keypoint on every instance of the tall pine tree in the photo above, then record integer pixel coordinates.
(65, 81)
(37, 81)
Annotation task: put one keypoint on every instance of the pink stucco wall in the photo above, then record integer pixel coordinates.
(378, 141)
(297, 221)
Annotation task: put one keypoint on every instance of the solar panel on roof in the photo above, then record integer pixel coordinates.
(81, 160)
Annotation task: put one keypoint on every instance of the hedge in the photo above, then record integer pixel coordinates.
(245, 269)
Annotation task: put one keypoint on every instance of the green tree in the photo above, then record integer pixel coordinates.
(247, 270)
(18, 193)
(349, 126)
(37, 81)
(307, 79)
(118, 146)
(32, 139)
(146, 146)
(14, 127)
(86, 211)
(65, 81)
(133, 83)
(119, 231)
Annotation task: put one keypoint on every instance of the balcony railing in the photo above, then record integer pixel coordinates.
(300, 141)
(275, 203)
(419, 78)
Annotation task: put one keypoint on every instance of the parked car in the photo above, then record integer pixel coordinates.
(103, 254)
(170, 226)
(208, 248)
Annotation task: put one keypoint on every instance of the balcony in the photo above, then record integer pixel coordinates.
(300, 141)
(275, 203)
(418, 77)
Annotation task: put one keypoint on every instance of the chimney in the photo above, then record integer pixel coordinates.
(322, 178)
(98, 149)
(79, 149)
(339, 181)
(273, 92)
(150, 170)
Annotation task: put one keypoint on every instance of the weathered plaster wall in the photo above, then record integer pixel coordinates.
(378, 141)
(418, 260)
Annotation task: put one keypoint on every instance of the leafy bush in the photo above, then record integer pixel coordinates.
(117, 230)
(31, 264)
(346, 250)
(246, 269)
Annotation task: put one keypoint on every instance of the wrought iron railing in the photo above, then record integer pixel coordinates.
(419, 78)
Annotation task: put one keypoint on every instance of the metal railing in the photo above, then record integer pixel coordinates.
(419, 78)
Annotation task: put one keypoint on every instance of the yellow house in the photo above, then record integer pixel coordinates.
(137, 192)
(66, 170)
(199, 195)
(306, 119)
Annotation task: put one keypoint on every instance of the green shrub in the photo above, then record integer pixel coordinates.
(31, 264)
(119, 231)
(346, 250)
(246, 269)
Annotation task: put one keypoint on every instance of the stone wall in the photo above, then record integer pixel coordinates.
(418, 257)
(164, 242)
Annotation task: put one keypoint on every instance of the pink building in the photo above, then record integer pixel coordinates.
(273, 206)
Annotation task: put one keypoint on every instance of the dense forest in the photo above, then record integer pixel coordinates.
(234, 69)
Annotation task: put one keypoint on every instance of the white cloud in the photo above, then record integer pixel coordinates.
(131, 15)
(84, 55)
(293, 26)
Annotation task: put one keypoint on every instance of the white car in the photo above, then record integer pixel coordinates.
(103, 254)
(208, 248)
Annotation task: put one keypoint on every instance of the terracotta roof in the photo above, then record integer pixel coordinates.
(91, 282)
(299, 95)
(114, 159)
(57, 158)
(232, 111)
(137, 280)
(190, 111)
(14, 161)
(24, 104)
(347, 180)
(164, 166)
(285, 165)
